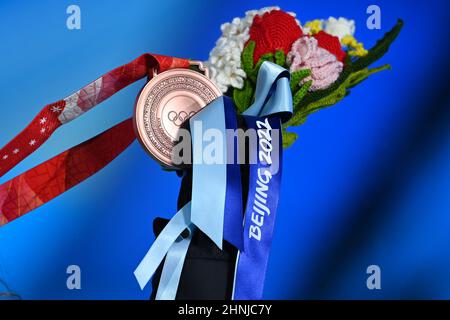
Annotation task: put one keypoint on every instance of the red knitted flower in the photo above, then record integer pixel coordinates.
(331, 44)
(274, 30)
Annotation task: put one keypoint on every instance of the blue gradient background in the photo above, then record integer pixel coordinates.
(367, 181)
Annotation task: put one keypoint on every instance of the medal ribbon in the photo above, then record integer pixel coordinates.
(272, 106)
(260, 214)
(55, 176)
(214, 185)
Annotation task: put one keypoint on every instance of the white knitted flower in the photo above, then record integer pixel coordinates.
(339, 27)
(225, 58)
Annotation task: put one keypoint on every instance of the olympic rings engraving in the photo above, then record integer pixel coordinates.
(178, 118)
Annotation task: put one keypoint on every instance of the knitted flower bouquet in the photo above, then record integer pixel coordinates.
(323, 56)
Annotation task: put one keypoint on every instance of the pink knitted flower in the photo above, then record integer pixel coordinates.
(306, 54)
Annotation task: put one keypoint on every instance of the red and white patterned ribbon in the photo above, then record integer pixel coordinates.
(46, 181)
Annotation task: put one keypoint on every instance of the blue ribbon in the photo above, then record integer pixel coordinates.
(216, 205)
(233, 202)
(264, 187)
(273, 98)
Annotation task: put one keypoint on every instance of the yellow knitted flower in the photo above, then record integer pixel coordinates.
(357, 47)
(314, 26)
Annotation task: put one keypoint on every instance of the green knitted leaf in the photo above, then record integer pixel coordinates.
(380, 48)
(300, 94)
(297, 120)
(247, 57)
(267, 57)
(280, 58)
(299, 116)
(359, 76)
(243, 97)
(288, 138)
(319, 94)
(298, 76)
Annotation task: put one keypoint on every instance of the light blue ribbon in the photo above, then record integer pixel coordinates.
(206, 209)
(209, 179)
(273, 93)
(162, 244)
(173, 265)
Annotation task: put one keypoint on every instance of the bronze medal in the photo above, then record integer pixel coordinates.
(165, 103)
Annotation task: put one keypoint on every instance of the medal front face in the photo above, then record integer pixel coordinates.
(165, 103)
